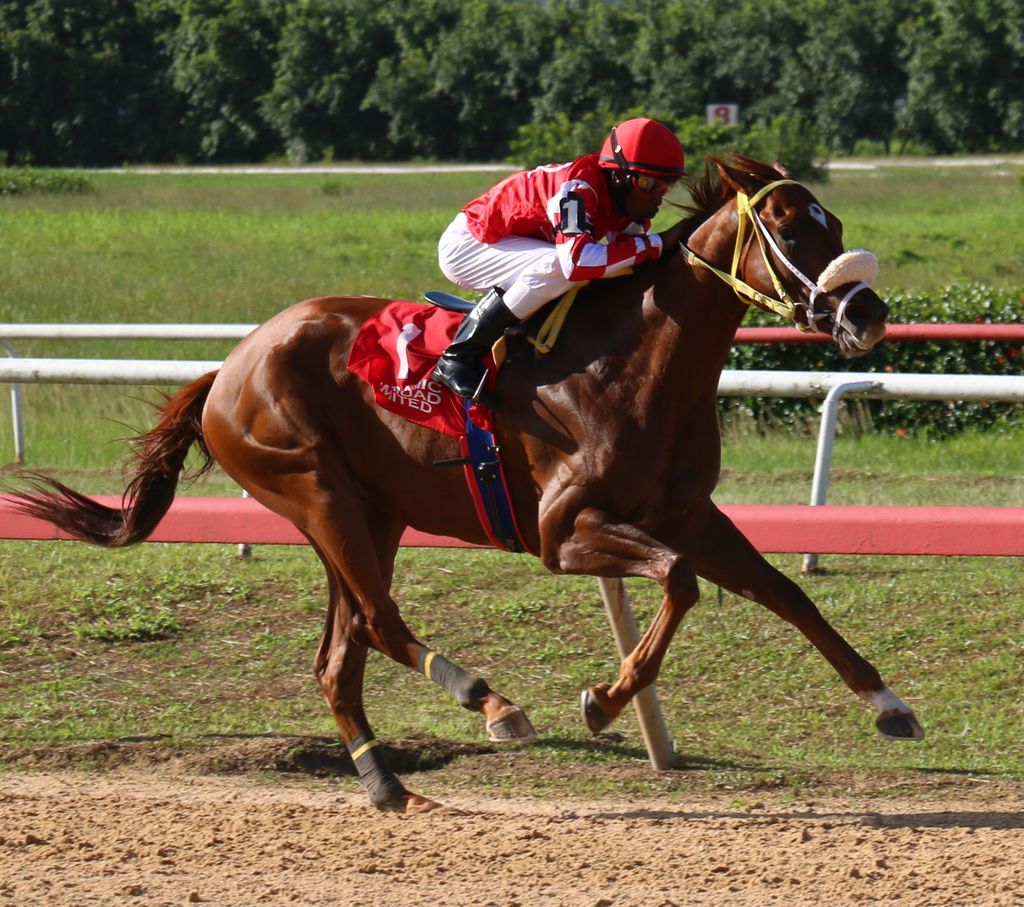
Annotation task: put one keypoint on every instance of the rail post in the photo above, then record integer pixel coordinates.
(16, 413)
(245, 548)
(826, 441)
(648, 711)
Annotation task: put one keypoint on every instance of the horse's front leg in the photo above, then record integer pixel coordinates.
(722, 554)
(600, 546)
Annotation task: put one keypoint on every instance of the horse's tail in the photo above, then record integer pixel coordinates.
(158, 458)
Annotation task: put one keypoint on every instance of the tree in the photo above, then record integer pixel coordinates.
(230, 80)
(757, 63)
(326, 61)
(677, 58)
(488, 65)
(590, 63)
(83, 83)
(852, 59)
(221, 62)
(965, 69)
(421, 121)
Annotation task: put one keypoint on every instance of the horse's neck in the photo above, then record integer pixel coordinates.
(709, 305)
(706, 309)
(715, 239)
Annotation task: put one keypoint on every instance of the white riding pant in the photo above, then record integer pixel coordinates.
(527, 270)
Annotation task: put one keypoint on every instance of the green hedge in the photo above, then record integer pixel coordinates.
(28, 181)
(971, 303)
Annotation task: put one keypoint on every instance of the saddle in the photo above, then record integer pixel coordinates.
(397, 349)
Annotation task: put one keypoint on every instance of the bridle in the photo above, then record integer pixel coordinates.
(858, 266)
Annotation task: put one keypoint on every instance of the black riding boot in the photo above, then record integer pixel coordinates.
(461, 366)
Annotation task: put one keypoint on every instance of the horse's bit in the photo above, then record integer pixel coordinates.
(858, 266)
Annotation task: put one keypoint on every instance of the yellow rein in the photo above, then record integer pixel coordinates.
(544, 342)
(548, 332)
(784, 305)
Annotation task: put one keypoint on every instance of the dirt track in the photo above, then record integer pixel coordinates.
(128, 837)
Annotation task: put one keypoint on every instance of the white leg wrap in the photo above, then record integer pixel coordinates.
(885, 700)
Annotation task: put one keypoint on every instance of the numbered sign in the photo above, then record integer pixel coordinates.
(726, 114)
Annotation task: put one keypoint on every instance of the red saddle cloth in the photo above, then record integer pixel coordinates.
(396, 350)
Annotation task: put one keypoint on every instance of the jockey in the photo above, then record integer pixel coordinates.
(538, 233)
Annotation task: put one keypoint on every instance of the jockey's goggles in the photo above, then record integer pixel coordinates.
(650, 184)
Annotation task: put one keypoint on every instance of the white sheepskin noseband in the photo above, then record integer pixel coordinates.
(855, 266)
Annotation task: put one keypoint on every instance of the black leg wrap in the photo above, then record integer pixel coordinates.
(383, 786)
(468, 691)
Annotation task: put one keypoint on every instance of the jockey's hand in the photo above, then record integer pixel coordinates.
(671, 237)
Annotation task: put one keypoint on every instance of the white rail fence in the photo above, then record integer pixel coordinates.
(141, 331)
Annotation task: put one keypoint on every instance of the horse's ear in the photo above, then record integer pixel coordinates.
(782, 169)
(729, 176)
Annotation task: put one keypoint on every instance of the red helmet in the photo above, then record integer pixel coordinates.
(645, 146)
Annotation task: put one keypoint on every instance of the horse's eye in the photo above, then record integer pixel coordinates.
(787, 233)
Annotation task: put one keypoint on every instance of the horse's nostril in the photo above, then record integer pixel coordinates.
(863, 313)
(860, 308)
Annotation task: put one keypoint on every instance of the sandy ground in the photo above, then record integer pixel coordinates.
(129, 837)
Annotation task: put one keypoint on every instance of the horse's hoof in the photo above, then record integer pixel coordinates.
(408, 804)
(593, 714)
(511, 727)
(899, 726)
(415, 804)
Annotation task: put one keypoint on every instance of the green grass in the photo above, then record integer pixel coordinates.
(932, 227)
(222, 248)
(973, 468)
(187, 641)
(744, 695)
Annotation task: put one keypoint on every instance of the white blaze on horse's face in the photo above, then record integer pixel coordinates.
(818, 213)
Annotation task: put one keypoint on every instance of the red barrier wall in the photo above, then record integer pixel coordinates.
(795, 529)
(893, 332)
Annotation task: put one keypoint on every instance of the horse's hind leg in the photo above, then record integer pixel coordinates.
(358, 552)
(379, 624)
(723, 555)
(339, 668)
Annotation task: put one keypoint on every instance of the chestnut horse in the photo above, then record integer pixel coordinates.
(610, 444)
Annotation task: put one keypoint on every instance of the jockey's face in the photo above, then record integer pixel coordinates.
(637, 195)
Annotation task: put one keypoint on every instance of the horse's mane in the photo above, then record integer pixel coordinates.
(710, 192)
